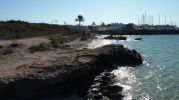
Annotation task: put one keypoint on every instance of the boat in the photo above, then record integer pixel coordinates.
(138, 38)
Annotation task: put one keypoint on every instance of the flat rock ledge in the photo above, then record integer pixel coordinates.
(69, 71)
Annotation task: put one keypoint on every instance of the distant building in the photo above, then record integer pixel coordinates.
(112, 26)
(144, 26)
(78, 28)
(115, 26)
(155, 27)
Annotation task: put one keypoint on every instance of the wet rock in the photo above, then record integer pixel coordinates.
(106, 91)
(95, 90)
(114, 89)
(116, 96)
(97, 96)
(116, 37)
(105, 98)
(98, 80)
(125, 57)
(134, 51)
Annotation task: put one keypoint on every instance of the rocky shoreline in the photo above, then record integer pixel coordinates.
(102, 88)
(112, 37)
(67, 72)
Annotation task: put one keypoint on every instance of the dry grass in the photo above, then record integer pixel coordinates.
(1, 46)
(7, 51)
(57, 42)
(40, 47)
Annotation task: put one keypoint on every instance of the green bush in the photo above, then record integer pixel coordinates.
(7, 51)
(14, 45)
(40, 47)
(57, 43)
(1, 46)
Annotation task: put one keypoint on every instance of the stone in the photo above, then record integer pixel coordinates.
(116, 96)
(116, 37)
(104, 91)
(114, 89)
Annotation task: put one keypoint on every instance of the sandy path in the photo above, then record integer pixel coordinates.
(27, 42)
(21, 56)
(78, 44)
(9, 63)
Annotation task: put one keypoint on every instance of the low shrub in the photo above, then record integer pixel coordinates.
(7, 51)
(14, 45)
(40, 47)
(1, 46)
(57, 43)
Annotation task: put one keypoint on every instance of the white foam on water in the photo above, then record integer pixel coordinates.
(145, 96)
(125, 78)
(102, 42)
(126, 88)
(145, 62)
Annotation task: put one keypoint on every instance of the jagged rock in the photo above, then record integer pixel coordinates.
(98, 80)
(116, 96)
(110, 92)
(105, 98)
(114, 89)
(116, 37)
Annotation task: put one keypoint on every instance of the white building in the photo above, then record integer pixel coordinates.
(79, 28)
(113, 26)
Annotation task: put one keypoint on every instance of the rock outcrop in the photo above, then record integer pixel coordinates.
(102, 88)
(69, 71)
(111, 37)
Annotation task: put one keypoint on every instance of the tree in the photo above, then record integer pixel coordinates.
(80, 19)
(93, 24)
(129, 26)
(102, 24)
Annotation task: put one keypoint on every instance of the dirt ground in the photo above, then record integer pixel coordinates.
(9, 63)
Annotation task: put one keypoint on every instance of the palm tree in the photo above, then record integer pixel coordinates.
(93, 24)
(80, 19)
(129, 26)
(103, 24)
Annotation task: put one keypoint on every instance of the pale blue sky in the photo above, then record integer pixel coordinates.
(107, 11)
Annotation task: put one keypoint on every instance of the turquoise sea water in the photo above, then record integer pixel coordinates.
(158, 77)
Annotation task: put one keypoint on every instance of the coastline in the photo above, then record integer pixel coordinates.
(139, 32)
(30, 72)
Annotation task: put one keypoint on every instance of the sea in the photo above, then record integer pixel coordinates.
(158, 77)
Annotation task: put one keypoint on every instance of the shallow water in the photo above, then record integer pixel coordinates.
(158, 77)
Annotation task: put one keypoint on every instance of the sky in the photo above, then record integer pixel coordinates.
(108, 11)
